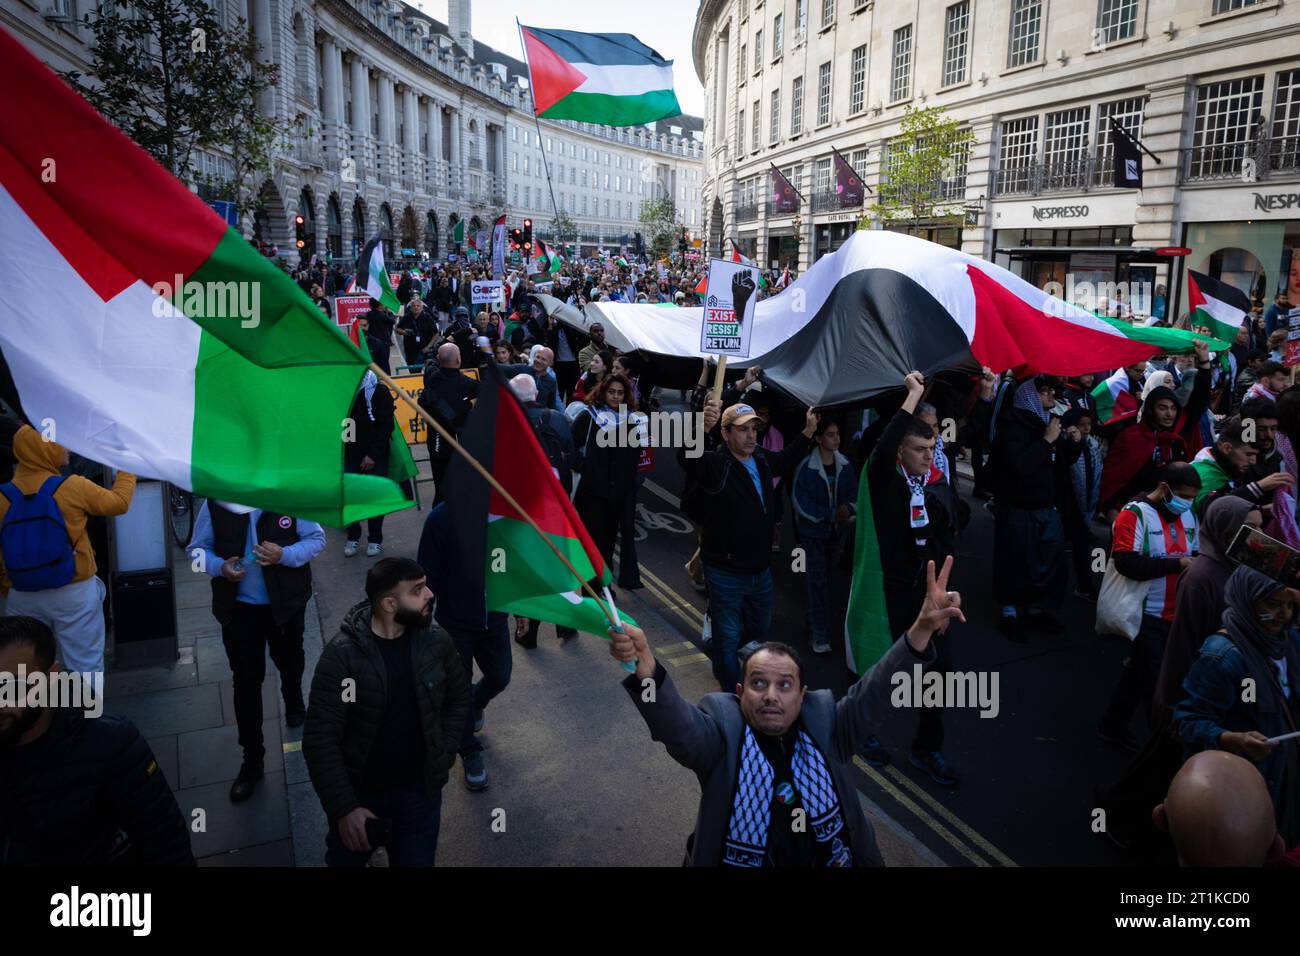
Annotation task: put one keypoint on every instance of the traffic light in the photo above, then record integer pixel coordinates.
(528, 237)
(516, 238)
(300, 232)
(681, 243)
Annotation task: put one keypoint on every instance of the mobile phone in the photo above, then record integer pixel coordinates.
(1258, 551)
(378, 832)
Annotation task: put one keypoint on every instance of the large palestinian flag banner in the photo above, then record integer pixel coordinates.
(522, 575)
(611, 79)
(149, 335)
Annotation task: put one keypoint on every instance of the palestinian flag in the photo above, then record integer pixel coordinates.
(522, 574)
(1114, 398)
(620, 261)
(1216, 305)
(612, 79)
(458, 232)
(703, 285)
(166, 344)
(738, 256)
(547, 261)
(372, 276)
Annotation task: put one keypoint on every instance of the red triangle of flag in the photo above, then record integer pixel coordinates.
(552, 78)
(703, 286)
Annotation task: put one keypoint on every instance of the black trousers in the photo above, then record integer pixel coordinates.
(629, 571)
(902, 607)
(602, 517)
(1137, 683)
(438, 468)
(251, 630)
(566, 376)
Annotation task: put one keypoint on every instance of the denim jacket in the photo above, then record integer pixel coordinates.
(1212, 700)
(814, 502)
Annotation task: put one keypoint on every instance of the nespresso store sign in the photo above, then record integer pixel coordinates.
(1116, 209)
(1276, 202)
(1239, 204)
(1060, 212)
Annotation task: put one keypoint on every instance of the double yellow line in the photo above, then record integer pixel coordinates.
(692, 616)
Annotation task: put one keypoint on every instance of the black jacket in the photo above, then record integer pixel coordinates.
(608, 473)
(737, 526)
(422, 330)
(288, 588)
(891, 498)
(65, 796)
(341, 729)
(447, 395)
(1024, 474)
(371, 438)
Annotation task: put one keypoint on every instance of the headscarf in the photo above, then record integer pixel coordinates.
(368, 385)
(1027, 399)
(1246, 587)
(1223, 518)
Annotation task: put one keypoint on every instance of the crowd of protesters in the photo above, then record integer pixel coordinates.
(1158, 478)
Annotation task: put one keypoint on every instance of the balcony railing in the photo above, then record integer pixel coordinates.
(1068, 175)
(747, 213)
(1265, 157)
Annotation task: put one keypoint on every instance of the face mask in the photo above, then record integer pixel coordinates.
(1178, 506)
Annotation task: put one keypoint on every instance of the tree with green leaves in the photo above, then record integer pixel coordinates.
(172, 78)
(929, 151)
(659, 216)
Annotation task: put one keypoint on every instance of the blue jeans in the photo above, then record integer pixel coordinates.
(740, 607)
(491, 649)
(414, 819)
(821, 554)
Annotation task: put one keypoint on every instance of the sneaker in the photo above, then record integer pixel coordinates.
(1121, 738)
(821, 647)
(1042, 621)
(874, 752)
(476, 776)
(372, 550)
(936, 765)
(350, 549)
(1013, 629)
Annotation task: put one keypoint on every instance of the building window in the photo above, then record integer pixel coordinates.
(900, 87)
(743, 10)
(606, 208)
(796, 106)
(1065, 142)
(753, 136)
(584, 205)
(1026, 31)
(525, 165)
(1016, 155)
(778, 34)
(1116, 20)
(744, 62)
(1226, 114)
(956, 43)
(822, 177)
(824, 94)
(858, 80)
(1286, 109)
(515, 194)
(1128, 114)
(758, 50)
(800, 18)
(528, 197)
(1227, 6)
(858, 160)
(828, 13)
(774, 134)
(740, 132)
(514, 162)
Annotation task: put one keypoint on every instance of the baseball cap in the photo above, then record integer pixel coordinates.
(738, 415)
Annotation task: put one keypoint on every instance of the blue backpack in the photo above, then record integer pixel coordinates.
(38, 553)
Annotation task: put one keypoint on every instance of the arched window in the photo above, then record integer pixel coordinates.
(431, 234)
(358, 227)
(333, 228)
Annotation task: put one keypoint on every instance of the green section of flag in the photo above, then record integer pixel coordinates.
(866, 625)
(458, 232)
(1173, 341)
(524, 577)
(271, 395)
(605, 109)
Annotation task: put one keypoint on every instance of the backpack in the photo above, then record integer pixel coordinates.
(34, 538)
(551, 442)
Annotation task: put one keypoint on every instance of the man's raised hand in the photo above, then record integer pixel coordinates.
(630, 644)
(940, 607)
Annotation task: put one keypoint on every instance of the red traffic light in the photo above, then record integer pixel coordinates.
(301, 244)
(528, 224)
(299, 221)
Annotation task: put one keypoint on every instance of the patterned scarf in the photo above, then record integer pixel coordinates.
(751, 810)
(1026, 399)
(1282, 525)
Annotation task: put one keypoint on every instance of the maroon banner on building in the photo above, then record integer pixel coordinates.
(848, 184)
(785, 198)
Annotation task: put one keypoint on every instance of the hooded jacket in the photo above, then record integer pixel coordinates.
(77, 497)
(1139, 451)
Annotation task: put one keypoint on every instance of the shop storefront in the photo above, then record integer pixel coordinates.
(782, 249)
(1247, 236)
(1081, 249)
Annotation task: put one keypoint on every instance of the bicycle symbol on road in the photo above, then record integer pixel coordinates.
(647, 521)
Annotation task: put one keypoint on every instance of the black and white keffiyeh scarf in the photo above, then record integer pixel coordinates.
(751, 810)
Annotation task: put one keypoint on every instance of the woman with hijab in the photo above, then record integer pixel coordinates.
(365, 452)
(1255, 650)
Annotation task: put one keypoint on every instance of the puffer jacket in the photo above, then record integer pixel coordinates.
(338, 735)
(67, 798)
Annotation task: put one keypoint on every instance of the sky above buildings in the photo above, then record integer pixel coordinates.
(664, 25)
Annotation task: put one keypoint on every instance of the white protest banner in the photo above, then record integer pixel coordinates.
(729, 308)
(544, 287)
(485, 291)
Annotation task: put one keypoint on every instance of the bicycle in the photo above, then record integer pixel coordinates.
(181, 504)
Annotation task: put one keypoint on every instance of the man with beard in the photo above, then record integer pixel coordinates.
(77, 787)
(1225, 467)
(1268, 458)
(387, 716)
(1162, 434)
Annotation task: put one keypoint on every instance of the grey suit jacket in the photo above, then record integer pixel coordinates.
(707, 738)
